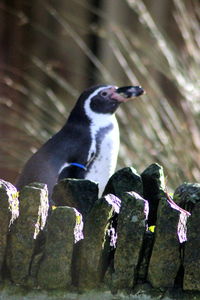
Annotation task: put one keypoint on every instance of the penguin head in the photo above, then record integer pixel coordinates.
(97, 99)
(105, 99)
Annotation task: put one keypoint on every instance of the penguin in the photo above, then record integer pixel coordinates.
(87, 145)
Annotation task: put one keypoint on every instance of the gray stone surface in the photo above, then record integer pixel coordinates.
(124, 180)
(55, 268)
(130, 230)
(187, 195)
(153, 189)
(192, 252)
(89, 268)
(53, 263)
(78, 193)
(33, 212)
(165, 259)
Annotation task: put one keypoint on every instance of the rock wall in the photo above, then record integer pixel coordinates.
(135, 239)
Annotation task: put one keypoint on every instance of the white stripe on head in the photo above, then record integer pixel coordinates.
(98, 120)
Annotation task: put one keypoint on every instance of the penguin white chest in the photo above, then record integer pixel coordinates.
(105, 145)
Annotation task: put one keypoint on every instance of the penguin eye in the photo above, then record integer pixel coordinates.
(104, 94)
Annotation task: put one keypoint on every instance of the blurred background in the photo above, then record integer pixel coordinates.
(51, 50)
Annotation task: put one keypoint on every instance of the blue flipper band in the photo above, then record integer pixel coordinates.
(78, 165)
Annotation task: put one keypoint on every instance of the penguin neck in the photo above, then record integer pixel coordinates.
(100, 126)
(101, 121)
(98, 120)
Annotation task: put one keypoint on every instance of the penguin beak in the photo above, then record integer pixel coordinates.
(125, 93)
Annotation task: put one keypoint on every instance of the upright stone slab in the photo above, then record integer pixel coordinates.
(78, 193)
(165, 259)
(22, 239)
(9, 211)
(192, 252)
(89, 269)
(153, 189)
(130, 231)
(55, 268)
(188, 196)
(124, 180)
